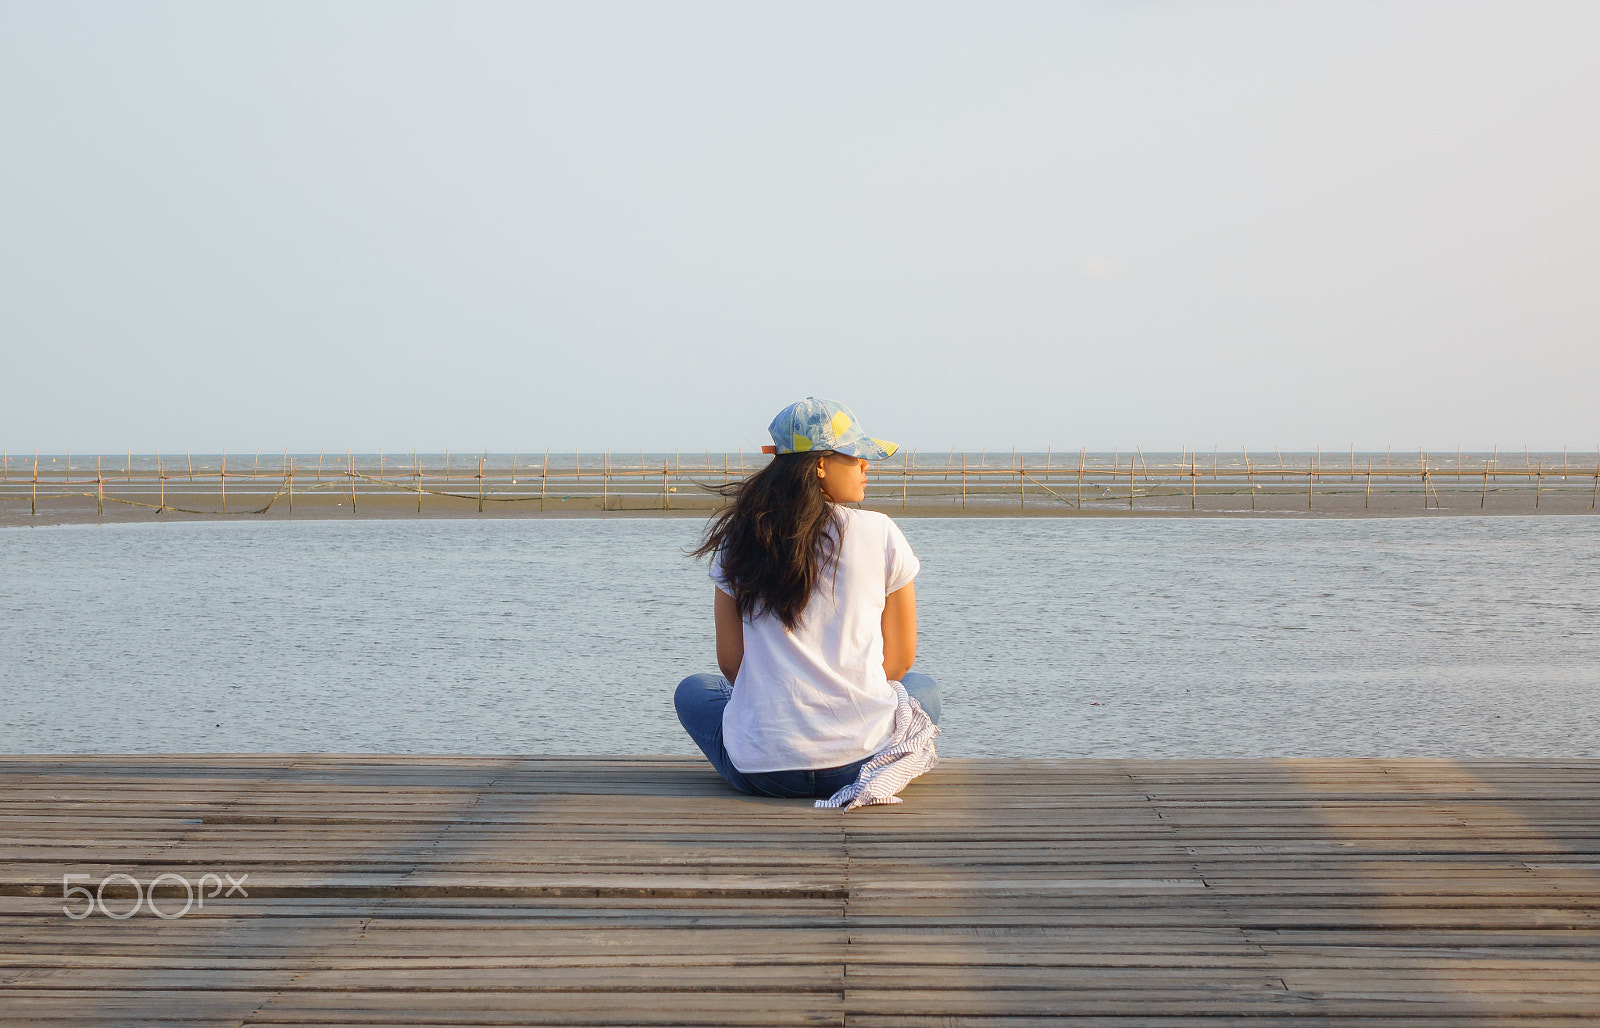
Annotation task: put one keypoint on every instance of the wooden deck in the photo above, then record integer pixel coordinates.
(640, 891)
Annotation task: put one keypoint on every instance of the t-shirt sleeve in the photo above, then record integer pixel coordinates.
(900, 564)
(716, 575)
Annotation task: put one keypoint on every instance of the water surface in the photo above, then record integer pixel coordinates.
(1457, 637)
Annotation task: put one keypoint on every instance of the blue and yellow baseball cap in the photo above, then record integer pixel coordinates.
(814, 424)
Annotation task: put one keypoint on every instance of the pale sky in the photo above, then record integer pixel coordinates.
(521, 225)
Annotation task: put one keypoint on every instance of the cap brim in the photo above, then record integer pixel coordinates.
(868, 449)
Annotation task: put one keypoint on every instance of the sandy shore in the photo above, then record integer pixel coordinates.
(1330, 500)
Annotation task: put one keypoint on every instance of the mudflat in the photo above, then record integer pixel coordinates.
(58, 504)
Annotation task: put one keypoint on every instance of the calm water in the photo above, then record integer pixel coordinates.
(1164, 638)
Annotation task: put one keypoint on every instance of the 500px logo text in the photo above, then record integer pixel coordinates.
(141, 897)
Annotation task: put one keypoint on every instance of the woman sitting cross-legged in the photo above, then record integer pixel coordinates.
(816, 622)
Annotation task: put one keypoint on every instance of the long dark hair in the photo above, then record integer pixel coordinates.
(773, 537)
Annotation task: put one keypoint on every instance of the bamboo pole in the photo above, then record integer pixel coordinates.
(480, 482)
(5, 464)
(222, 480)
(289, 482)
(416, 466)
(1428, 483)
(544, 475)
(350, 458)
(1538, 484)
(1213, 462)
(1130, 483)
(1311, 482)
(161, 476)
(514, 467)
(1081, 451)
(666, 469)
(1193, 478)
(130, 465)
(319, 467)
(190, 461)
(99, 489)
(33, 499)
(1022, 482)
(1594, 493)
(1368, 498)
(605, 479)
(963, 478)
(380, 463)
(1483, 497)
(447, 466)
(1352, 462)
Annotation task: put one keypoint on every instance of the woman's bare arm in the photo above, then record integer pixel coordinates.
(730, 636)
(900, 632)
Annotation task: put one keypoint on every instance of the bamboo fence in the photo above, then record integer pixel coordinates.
(1079, 482)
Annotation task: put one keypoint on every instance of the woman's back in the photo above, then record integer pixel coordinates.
(816, 696)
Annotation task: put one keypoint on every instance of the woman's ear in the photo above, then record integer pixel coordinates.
(822, 467)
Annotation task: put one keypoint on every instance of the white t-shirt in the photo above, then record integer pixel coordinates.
(817, 697)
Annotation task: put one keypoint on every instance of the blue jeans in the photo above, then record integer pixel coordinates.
(700, 699)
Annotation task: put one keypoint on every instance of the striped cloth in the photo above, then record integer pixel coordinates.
(909, 753)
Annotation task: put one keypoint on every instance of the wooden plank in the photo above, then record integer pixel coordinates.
(528, 890)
